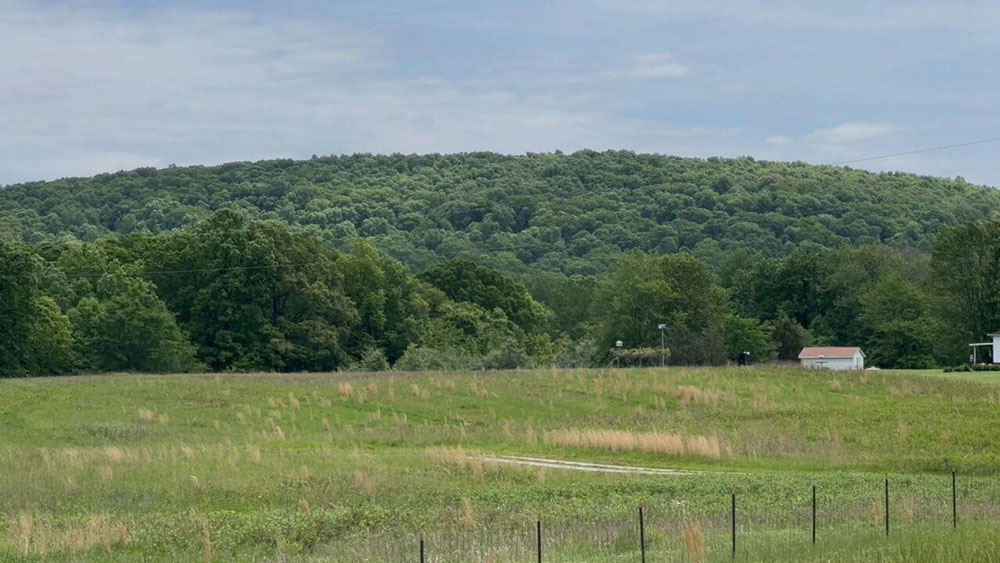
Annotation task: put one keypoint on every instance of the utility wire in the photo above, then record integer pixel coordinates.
(918, 151)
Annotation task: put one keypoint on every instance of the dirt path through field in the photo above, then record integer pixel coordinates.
(580, 466)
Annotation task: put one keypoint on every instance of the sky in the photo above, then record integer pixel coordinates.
(100, 86)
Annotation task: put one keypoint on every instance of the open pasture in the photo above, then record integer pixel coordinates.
(350, 467)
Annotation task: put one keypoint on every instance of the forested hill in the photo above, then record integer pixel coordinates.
(572, 213)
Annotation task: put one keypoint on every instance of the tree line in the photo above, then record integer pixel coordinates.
(235, 293)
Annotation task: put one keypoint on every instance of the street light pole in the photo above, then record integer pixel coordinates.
(663, 354)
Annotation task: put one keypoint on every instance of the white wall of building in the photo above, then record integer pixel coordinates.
(836, 364)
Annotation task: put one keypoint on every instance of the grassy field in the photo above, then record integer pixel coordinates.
(353, 467)
(978, 376)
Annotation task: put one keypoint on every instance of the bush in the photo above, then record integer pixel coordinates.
(579, 354)
(372, 359)
(974, 367)
(424, 358)
(641, 356)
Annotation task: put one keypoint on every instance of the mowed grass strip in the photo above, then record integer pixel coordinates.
(250, 466)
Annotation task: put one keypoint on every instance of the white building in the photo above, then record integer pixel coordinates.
(832, 357)
(986, 352)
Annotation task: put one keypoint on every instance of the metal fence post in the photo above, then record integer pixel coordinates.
(421, 549)
(954, 501)
(814, 515)
(887, 506)
(642, 536)
(538, 537)
(733, 520)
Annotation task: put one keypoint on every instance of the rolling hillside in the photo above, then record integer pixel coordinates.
(570, 213)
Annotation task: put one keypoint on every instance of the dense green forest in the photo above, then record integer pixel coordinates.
(487, 261)
(238, 294)
(574, 214)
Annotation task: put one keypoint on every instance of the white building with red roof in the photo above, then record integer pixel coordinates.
(832, 357)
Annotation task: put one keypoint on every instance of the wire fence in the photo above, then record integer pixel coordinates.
(734, 529)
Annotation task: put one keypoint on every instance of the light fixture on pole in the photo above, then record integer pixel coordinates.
(618, 355)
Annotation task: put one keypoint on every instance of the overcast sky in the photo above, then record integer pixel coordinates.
(88, 87)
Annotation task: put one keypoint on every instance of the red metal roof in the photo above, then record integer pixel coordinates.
(829, 352)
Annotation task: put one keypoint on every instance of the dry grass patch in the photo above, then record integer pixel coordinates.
(905, 390)
(674, 445)
(694, 542)
(760, 401)
(474, 462)
(363, 482)
(690, 394)
(419, 391)
(114, 454)
(40, 536)
(146, 415)
(468, 513)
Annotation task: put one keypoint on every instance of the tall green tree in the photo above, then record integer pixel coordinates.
(50, 341)
(390, 303)
(571, 300)
(633, 301)
(894, 317)
(466, 281)
(254, 295)
(18, 306)
(676, 290)
(789, 337)
(743, 334)
(966, 271)
(125, 326)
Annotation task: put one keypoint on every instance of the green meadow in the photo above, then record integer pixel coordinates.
(356, 467)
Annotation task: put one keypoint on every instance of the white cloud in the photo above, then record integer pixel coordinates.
(649, 66)
(104, 91)
(847, 133)
(843, 15)
(117, 85)
(96, 89)
(659, 65)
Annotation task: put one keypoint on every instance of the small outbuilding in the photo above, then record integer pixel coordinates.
(832, 357)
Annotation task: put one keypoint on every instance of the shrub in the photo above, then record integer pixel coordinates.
(641, 356)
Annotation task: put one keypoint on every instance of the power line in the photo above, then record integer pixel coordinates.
(918, 151)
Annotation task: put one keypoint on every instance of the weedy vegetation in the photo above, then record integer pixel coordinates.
(352, 467)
